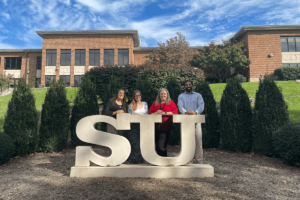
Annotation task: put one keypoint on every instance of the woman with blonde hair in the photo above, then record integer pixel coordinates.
(136, 107)
(163, 105)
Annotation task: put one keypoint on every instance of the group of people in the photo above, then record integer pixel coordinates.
(189, 103)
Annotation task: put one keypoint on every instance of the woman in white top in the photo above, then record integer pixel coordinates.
(136, 107)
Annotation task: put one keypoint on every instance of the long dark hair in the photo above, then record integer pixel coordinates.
(112, 100)
(133, 102)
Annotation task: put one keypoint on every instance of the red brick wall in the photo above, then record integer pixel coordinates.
(85, 42)
(260, 44)
(139, 57)
(31, 63)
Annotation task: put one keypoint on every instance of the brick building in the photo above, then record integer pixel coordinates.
(69, 54)
(269, 47)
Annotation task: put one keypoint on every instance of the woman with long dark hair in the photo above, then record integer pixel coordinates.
(116, 105)
(136, 107)
(163, 105)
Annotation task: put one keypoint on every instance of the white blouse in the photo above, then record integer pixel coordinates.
(141, 111)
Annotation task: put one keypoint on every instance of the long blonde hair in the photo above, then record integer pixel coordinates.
(133, 102)
(158, 101)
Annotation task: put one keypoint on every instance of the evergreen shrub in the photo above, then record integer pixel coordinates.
(148, 93)
(240, 77)
(270, 113)
(286, 143)
(6, 148)
(235, 118)
(85, 104)
(55, 123)
(287, 73)
(21, 120)
(210, 129)
(101, 77)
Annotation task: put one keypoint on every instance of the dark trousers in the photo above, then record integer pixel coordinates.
(161, 142)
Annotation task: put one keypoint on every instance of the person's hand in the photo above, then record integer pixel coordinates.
(160, 112)
(192, 112)
(119, 111)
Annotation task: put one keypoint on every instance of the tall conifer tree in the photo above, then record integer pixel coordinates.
(85, 104)
(55, 123)
(210, 129)
(270, 113)
(235, 118)
(21, 120)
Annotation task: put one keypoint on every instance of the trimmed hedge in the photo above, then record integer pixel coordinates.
(286, 143)
(235, 118)
(55, 123)
(270, 113)
(210, 129)
(21, 120)
(158, 77)
(6, 148)
(85, 104)
(287, 73)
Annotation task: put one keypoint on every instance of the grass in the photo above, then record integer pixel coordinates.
(290, 90)
(39, 94)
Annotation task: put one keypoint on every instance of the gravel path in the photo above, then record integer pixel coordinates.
(237, 176)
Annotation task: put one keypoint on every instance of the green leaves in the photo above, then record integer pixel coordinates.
(85, 104)
(54, 130)
(270, 113)
(21, 120)
(288, 73)
(235, 118)
(210, 129)
(218, 58)
(6, 148)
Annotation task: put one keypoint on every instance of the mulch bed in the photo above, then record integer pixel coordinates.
(237, 176)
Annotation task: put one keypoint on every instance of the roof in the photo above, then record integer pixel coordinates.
(134, 33)
(152, 48)
(244, 29)
(20, 50)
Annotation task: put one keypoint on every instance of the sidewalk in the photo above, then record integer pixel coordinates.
(6, 92)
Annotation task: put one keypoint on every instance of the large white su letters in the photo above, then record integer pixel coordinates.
(120, 146)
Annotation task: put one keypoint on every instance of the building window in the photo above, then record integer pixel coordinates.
(51, 57)
(79, 57)
(77, 80)
(290, 44)
(65, 57)
(291, 64)
(13, 63)
(94, 57)
(123, 55)
(66, 79)
(48, 79)
(109, 56)
(39, 62)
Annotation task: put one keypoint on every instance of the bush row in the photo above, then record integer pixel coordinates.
(287, 73)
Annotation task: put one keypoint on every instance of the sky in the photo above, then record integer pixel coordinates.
(200, 21)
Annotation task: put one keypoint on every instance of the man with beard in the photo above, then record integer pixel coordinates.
(191, 103)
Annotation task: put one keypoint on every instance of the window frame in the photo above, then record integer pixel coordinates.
(78, 52)
(107, 55)
(92, 57)
(53, 56)
(75, 81)
(38, 62)
(63, 77)
(53, 77)
(10, 63)
(121, 53)
(65, 57)
(287, 43)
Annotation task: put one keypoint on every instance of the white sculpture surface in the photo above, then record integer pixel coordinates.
(86, 132)
(147, 140)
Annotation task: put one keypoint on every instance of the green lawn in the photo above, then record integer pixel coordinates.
(39, 94)
(290, 90)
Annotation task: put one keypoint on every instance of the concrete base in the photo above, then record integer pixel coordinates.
(145, 170)
(298, 80)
